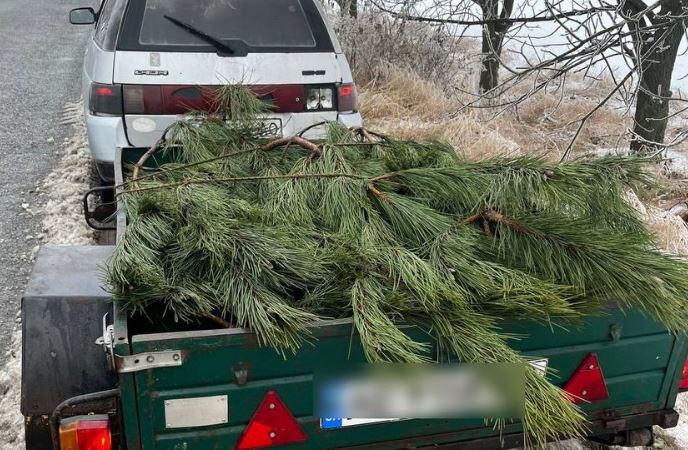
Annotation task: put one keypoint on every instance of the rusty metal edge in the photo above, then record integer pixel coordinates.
(666, 418)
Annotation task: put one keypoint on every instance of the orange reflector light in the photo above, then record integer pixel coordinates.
(683, 384)
(85, 433)
(271, 424)
(587, 382)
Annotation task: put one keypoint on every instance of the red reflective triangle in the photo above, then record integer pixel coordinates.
(683, 384)
(587, 382)
(272, 424)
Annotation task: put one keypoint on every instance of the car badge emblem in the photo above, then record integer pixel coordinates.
(152, 73)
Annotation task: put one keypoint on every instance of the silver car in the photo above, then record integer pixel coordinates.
(149, 61)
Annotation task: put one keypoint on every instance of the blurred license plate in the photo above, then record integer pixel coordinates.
(373, 394)
(272, 127)
(331, 423)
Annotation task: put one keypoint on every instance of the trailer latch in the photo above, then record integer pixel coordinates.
(148, 360)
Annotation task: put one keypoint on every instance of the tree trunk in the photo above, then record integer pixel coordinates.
(491, 50)
(493, 38)
(657, 55)
(348, 7)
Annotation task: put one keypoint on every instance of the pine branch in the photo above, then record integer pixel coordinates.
(391, 234)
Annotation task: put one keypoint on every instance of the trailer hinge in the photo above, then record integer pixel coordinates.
(106, 341)
(148, 360)
(139, 361)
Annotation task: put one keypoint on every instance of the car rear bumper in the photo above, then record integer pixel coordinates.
(144, 130)
(107, 133)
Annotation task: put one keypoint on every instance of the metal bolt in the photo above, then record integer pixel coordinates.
(175, 357)
(150, 358)
(271, 406)
(591, 367)
(272, 434)
(584, 393)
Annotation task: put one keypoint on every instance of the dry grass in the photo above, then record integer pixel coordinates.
(414, 78)
(402, 103)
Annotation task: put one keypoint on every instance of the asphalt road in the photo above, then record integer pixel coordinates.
(40, 70)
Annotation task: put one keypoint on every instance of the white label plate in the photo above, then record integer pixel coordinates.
(196, 411)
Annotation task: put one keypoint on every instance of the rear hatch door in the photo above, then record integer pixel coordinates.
(181, 45)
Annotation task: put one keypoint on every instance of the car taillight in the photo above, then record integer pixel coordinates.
(587, 382)
(106, 98)
(319, 98)
(683, 384)
(142, 99)
(271, 424)
(347, 98)
(85, 433)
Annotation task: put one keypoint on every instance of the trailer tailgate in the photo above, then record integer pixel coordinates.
(639, 358)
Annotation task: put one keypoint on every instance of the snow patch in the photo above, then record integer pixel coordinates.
(677, 437)
(63, 222)
(677, 162)
(11, 419)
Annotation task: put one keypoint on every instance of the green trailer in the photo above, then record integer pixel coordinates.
(166, 387)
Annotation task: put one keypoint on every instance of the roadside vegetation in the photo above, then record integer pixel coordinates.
(419, 80)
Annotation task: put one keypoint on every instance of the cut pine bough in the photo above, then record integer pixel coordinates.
(274, 234)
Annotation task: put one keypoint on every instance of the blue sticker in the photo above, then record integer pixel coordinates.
(327, 423)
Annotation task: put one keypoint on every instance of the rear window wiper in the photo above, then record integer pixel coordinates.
(215, 42)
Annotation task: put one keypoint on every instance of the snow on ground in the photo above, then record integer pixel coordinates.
(62, 224)
(63, 220)
(11, 420)
(677, 437)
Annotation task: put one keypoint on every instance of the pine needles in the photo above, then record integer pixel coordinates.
(271, 235)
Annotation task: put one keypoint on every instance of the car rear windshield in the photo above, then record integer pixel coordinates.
(259, 25)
